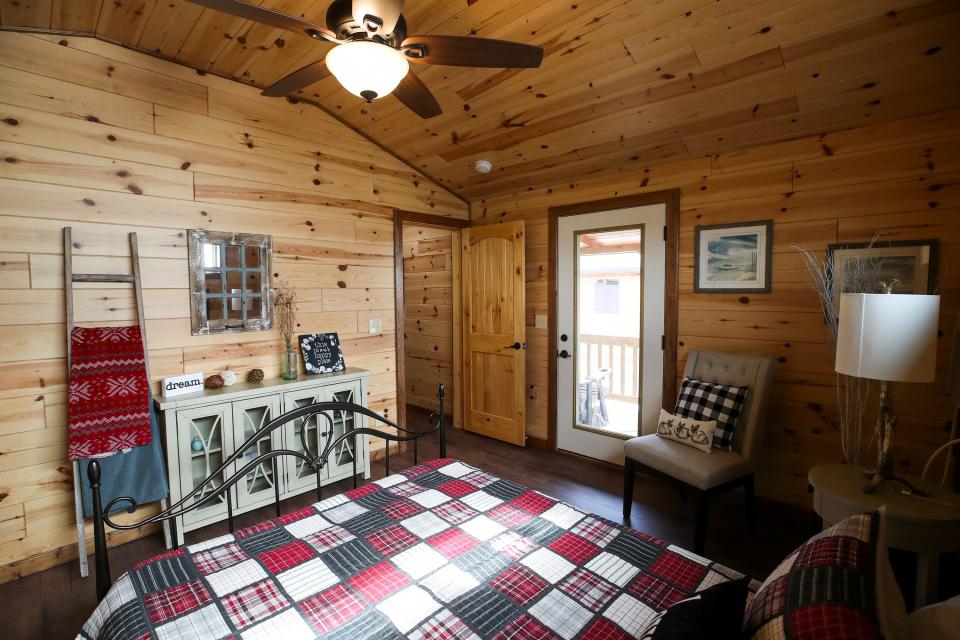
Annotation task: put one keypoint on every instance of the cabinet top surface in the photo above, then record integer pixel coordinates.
(242, 390)
(845, 483)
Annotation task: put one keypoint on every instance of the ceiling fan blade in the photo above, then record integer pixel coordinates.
(302, 77)
(269, 17)
(462, 51)
(414, 94)
(387, 11)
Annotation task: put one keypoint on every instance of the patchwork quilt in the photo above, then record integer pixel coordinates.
(441, 551)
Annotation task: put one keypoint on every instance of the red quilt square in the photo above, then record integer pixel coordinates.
(457, 488)
(365, 490)
(838, 551)
(328, 538)
(379, 581)
(525, 628)
(400, 509)
(683, 572)
(508, 516)
(454, 512)
(299, 514)
(331, 608)
(289, 555)
(603, 629)
(653, 591)
(452, 542)
(391, 540)
(175, 600)
(519, 584)
(574, 548)
(253, 603)
(162, 556)
(831, 622)
(533, 502)
(418, 470)
(217, 558)
(253, 530)
(440, 462)
(588, 588)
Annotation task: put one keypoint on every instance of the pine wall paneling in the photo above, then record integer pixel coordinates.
(899, 180)
(109, 141)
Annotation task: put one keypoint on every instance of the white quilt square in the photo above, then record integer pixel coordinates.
(613, 568)
(548, 565)
(306, 526)
(430, 498)
(389, 481)
(562, 515)
(449, 583)
(482, 528)
(202, 623)
(690, 555)
(480, 500)
(455, 470)
(419, 560)
(561, 613)
(424, 525)
(345, 512)
(313, 576)
(408, 607)
(331, 502)
(289, 625)
(236, 577)
(120, 593)
(630, 614)
(211, 543)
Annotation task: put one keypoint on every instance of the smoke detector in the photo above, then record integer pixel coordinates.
(483, 166)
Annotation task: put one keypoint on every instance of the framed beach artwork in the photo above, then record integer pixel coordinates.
(906, 266)
(733, 258)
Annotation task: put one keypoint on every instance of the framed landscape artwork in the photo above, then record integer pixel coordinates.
(910, 266)
(733, 258)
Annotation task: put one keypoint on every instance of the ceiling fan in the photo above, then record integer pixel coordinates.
(372, 53)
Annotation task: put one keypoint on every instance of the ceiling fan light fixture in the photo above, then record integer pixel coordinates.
(366, 69)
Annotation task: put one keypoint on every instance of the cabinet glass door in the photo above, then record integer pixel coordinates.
(343, 455)
(315, 432)
(206, 438)
(257, 487)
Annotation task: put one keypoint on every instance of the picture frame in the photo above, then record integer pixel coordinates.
(913, 263)
(321, 353)
(733, 258)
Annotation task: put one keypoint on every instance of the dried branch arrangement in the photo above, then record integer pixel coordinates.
(285, 311)
(858, 276)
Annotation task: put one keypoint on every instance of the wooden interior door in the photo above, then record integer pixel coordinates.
(494, 337)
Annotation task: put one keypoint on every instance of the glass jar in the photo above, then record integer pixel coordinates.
(288, 366)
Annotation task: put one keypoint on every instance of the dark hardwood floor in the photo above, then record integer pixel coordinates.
(55, 603)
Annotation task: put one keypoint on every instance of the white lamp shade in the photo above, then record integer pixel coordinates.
(890, 337)
(363, 66)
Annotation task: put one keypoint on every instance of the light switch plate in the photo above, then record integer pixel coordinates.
(376, 326)
(540, 322)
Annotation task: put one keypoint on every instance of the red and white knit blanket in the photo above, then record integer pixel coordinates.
(108, 397)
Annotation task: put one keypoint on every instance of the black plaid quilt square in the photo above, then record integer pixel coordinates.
(700, 400)
(485, 610)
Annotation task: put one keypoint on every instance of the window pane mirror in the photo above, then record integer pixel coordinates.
(229, 282)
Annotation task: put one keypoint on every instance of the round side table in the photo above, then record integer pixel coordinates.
(927, 526)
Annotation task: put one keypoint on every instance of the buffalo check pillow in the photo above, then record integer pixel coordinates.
(826, 589)
(700, 400)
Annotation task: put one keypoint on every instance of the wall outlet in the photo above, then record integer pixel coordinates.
(376, 326)
(540, 322)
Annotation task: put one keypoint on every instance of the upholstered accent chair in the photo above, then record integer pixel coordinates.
(706, 474)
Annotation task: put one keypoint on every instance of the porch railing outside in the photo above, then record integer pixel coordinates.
(621, 356)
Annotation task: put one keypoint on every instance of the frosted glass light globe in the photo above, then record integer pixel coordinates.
(367, 69)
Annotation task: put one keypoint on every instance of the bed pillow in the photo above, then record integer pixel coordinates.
(826, 589)
(715, 613)
(711, 401)
(938, 621)
(693, 433)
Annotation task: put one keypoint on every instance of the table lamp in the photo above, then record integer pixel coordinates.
(891, 338)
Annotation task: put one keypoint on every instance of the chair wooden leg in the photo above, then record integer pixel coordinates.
(628, 474)
(749, 500)
(700, 522)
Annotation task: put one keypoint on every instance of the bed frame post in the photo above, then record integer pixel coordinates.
(102, 562)
(441, 392)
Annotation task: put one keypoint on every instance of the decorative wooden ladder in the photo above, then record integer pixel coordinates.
(69, 278)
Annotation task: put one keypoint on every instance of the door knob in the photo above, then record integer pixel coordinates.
(515, 346)
(563, 354)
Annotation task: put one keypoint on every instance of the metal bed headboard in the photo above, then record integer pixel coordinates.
(101, 517)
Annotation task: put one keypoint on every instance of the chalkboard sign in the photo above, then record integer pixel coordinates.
(321, 353)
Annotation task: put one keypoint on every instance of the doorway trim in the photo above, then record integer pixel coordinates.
(400, 217)
(671, 200)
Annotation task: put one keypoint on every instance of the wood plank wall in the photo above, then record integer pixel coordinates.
(110, 141)
(428, 309)
(900, 180)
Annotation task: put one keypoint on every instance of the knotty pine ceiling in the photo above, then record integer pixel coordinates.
(624, 83)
